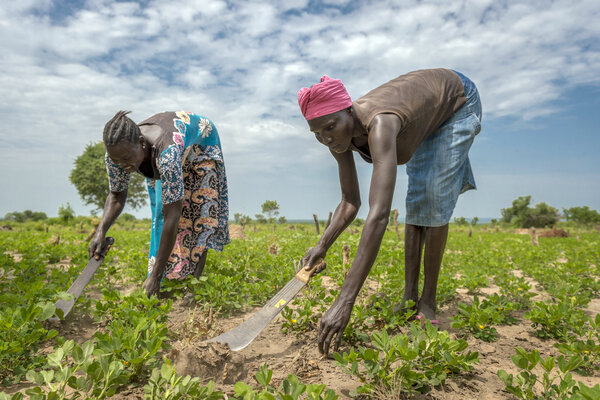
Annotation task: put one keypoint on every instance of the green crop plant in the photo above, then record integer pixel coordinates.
(586, 347)
(479, 317)
(407, 363)
(560, 319)
(165, 384)
(289, 389)
(87, 377)
(21, 333)
(515, 289)
(553, 383)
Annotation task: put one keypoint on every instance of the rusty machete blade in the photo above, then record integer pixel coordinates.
(243, 334)
(81, 282)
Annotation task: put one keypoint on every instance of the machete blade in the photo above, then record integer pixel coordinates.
(82, 280)
(243, 334)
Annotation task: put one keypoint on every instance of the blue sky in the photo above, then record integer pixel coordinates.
(67, 66)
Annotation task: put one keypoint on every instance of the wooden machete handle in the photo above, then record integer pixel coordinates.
(304, 274)
(109, 241)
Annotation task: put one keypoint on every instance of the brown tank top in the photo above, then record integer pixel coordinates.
(423, 100)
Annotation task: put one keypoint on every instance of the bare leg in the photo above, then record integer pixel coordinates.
(435, 244)
(200, 265)
(413, 248)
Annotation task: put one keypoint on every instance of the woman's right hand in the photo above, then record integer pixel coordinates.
(96, 246)
(314, 255)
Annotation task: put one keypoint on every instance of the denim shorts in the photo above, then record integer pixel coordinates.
(439, 170)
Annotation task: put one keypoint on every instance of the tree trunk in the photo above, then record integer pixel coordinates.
(317, 224)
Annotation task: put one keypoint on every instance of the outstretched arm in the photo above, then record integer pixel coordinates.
(344, 213)
(115, 201)
(171, 214)
(382, 144)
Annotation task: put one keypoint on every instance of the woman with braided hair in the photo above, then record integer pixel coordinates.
(180, 155)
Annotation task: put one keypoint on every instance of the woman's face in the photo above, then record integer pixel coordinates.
(126, 155)
(334, 130)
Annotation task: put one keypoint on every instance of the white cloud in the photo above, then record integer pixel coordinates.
(242, 63)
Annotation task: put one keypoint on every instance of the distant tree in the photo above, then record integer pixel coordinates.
(90, 178)
(543, 215)
(241, 219)
(474, 221)
(66, 212)
(260, 218)
(582, 215)
(26, 215)
(461, 221)
(523, 216)
(518, 214)
(236, 218)
(282, 220)
(270, 209)
(126, 217)
(358, 222)
(244, 219)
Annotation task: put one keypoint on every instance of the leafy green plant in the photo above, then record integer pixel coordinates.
(165, 384)
(479, 317)
(551, 384)
(21, 333)
(72, 365)
(516, 289)
(586, 347)
(289, 389)
(407, 363)
(557, 320)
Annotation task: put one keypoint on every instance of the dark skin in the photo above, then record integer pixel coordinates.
(341, 131)
(132, 156)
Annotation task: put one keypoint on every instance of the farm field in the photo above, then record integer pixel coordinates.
(508, 309)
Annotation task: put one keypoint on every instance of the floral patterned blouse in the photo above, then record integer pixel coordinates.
(169, 161)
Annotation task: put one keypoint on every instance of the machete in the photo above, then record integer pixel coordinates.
(243, 334)
(82, 280)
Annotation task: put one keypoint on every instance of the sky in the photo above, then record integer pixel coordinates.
(66, 67)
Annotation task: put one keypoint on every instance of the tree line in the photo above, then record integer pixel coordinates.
(90, 178)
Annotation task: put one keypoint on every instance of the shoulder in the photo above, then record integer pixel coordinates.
(383, 131)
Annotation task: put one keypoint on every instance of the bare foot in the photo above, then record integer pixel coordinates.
(426, 310)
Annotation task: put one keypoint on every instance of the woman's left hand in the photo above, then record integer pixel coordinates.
(333, 323)
(151, 285)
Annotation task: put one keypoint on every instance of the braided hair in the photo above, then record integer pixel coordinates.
(121, 128)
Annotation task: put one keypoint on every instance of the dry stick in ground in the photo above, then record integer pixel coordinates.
(345, 258)
(534, 240)
(92, 233)
(317, 223)
(395, 218)
(328, 220)
(470, 232)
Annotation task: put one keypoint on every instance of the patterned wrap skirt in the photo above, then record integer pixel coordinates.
(204, 217)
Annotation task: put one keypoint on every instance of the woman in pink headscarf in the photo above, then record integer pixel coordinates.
(425, 119)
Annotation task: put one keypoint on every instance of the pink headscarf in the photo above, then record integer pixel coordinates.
(323, 98)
